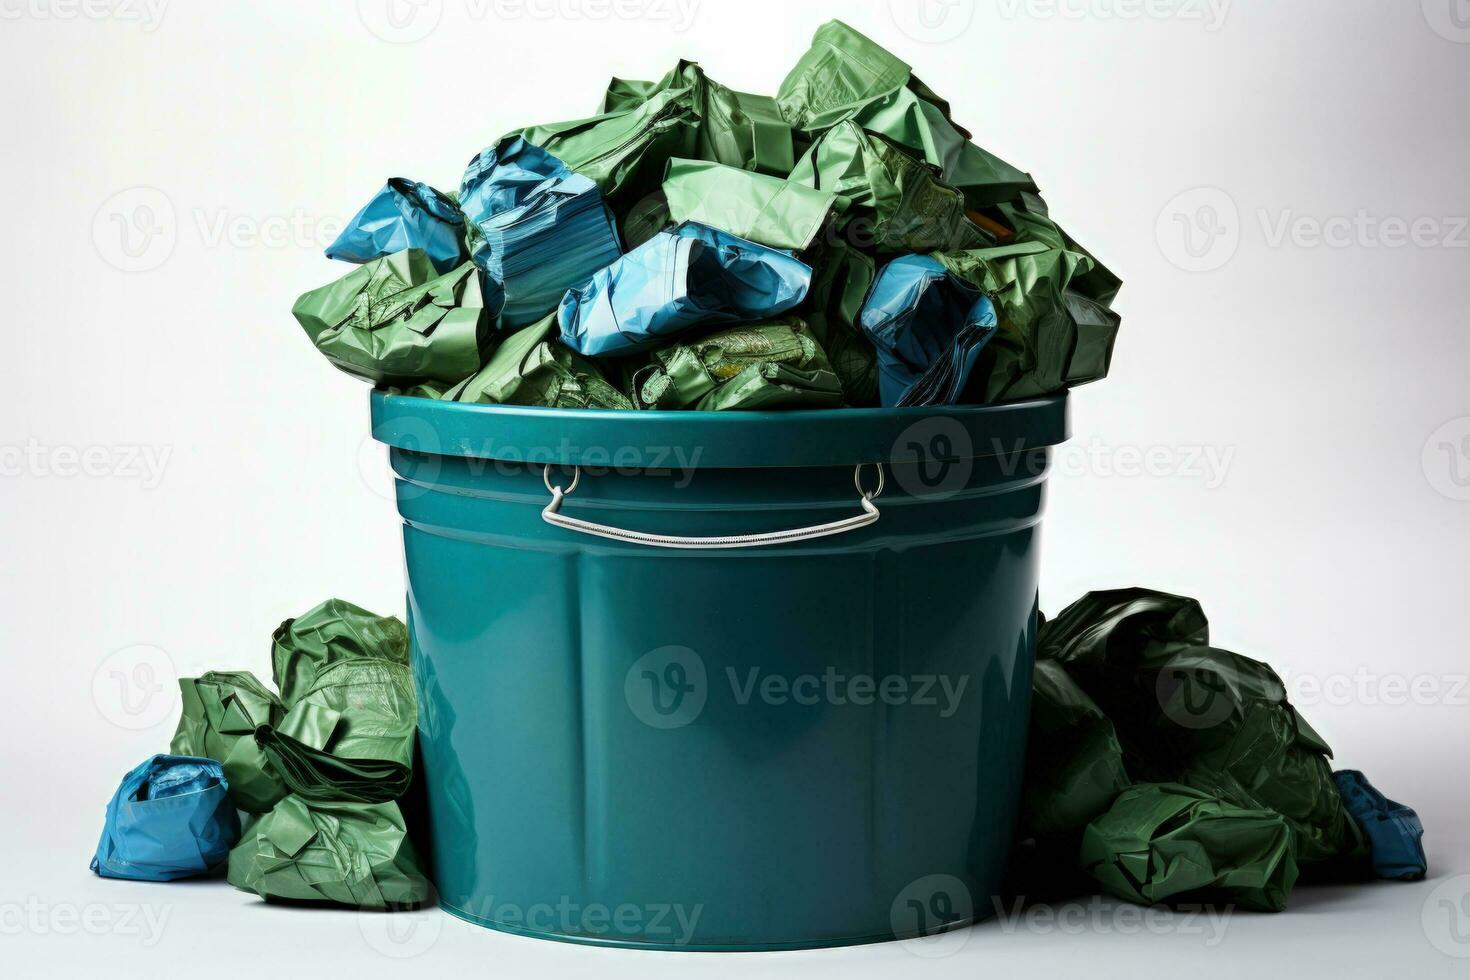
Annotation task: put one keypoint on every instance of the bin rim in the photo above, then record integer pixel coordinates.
(634, 439)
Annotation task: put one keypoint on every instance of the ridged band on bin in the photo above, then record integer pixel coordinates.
(552, 515)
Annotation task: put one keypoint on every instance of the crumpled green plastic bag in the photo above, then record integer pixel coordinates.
(845, 76)
(777, 364)
(892, 201)
(221, 711)
(1190, 713)
(1051, 336)
(1074, 763)
(1170, 843)
(841, 278)
(328, 633)
(642, 124)
(353, 854)
(396, 321)
(757, 207)
(533, 368)
(737, 129)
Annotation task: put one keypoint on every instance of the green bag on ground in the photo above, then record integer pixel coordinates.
(844, 76)
(894, 202)
(353, 854)
(396, 321)
(1074, 763)
(221, 711)
(328, 633)
(533, 368)
(1190, 713)
(757, 207)
(760, 366)
(1170, 843)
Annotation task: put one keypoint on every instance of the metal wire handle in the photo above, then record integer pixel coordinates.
(552, 515)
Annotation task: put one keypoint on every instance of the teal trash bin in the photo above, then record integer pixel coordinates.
(720, 681)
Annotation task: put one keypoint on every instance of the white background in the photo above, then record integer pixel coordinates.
(1299, 402)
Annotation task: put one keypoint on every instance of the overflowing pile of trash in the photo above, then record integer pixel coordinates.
(842, 243)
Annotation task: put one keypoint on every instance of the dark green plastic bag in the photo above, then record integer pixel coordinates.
(396, 321)
(353, 854)
(845, 76)
(761, 366)
(1190, 713)
(1074, 764)
(841, 277)
(1166, 842)
(533, 368)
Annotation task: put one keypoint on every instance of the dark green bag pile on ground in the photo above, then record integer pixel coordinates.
(325, 763)
(1174, 770)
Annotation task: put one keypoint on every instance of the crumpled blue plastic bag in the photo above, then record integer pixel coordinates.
(171, 818)
(687, 276)
(404, 214)
(929, 327)
(1393, 830)
(536, 228)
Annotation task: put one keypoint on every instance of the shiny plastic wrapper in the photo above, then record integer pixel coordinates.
(1394, 832)
(395, 321)
(535, 228)
(533, 368)
(690, 276)
(170, 818)
(766, 210)
(1170, 843)
(929, 328)
(756, 367)
(353, 854)
(404, 214)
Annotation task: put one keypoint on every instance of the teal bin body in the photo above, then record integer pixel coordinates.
(812, 742)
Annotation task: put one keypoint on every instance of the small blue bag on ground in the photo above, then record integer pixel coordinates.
(1394, 832)
(929, 327)
(404, 214)
(171, 818)
(535, 227)
(690, 275)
